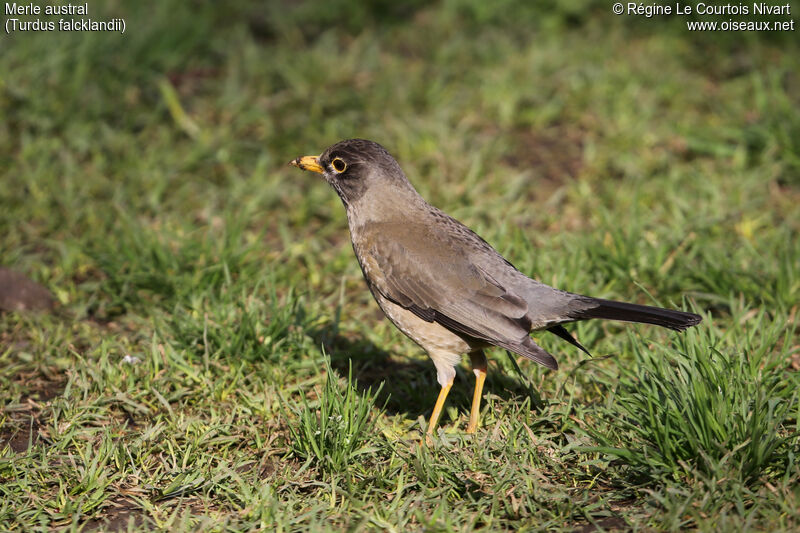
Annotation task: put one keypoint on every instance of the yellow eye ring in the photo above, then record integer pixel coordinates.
(339, 165)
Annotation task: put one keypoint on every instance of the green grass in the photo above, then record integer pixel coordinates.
(332, 431)
(144, 182)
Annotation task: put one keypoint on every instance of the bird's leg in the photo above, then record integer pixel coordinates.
(437, 409)
(479, 366)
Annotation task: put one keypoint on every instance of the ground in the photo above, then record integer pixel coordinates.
(214, 361)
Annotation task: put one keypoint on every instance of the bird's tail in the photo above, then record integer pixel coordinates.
(612, 310)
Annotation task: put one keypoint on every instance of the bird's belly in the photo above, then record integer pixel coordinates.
(432, 337)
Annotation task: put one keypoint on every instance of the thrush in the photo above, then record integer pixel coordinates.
(444, 286)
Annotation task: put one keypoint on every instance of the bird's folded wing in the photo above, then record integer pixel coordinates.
(440, 286)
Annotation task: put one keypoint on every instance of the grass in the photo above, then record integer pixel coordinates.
(332, 431)
(213, 325)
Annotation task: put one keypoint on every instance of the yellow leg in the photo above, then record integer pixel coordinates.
(479, 366)
(475, 412)
(437, 409)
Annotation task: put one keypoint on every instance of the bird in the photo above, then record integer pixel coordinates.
(445, 287)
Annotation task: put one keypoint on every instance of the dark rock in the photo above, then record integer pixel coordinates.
(19, 293)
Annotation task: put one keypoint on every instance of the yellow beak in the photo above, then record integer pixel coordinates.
(308, 162)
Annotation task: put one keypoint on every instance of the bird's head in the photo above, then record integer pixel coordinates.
(354, 167)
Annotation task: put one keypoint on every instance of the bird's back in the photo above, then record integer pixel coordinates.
(430, 244)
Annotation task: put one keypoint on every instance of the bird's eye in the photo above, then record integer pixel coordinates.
(338, 165)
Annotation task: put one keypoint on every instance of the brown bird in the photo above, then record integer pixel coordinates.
(444, 286)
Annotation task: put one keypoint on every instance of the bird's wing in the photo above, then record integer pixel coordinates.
(435, 279)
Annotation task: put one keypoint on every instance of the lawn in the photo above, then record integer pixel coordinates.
(214, 361)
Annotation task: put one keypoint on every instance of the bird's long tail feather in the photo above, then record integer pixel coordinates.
(613, 310)
(562, 332)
